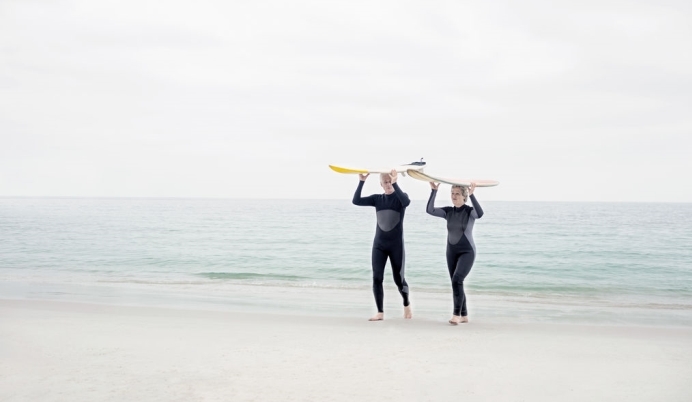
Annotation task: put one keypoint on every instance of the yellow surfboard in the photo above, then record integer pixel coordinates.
(414, 166)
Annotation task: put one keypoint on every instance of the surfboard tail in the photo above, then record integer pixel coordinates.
(345, 170)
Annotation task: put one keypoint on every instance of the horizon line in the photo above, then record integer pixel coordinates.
(300, 199)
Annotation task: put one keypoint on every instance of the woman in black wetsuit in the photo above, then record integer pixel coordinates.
(389, 238)
(461, 250)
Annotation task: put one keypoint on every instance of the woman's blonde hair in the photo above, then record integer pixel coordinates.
(464, 191)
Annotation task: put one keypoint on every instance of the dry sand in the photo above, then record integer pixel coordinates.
(57, 351)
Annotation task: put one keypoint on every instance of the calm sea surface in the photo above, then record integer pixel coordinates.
(610, 263)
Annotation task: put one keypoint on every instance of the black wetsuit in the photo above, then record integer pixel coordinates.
(389, 239)
(461, 250)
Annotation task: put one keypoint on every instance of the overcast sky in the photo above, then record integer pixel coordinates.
(559, 101)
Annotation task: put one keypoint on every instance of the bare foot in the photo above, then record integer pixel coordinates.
(464, 319)
(377, 317)
(408, 314)
(455, 320)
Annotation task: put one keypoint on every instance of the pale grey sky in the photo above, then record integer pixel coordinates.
(564, 101)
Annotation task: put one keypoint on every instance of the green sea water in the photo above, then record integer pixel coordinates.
(536, 261)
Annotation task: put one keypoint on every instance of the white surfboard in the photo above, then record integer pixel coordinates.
(414, 167)
(417, 174)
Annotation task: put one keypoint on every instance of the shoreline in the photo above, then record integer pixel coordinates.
(78, 351)
(348, 302)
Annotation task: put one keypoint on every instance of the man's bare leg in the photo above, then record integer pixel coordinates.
(408, 314)
(377, 317)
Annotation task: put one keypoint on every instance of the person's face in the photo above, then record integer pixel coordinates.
(457, 197)
(386, 183)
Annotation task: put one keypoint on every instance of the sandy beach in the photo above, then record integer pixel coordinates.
(59, 351)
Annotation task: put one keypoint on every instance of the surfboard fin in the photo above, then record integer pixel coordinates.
(418, 163)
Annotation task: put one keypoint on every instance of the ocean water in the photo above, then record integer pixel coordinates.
(605, 263)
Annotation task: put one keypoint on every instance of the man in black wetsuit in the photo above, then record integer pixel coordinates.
(389, 237)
